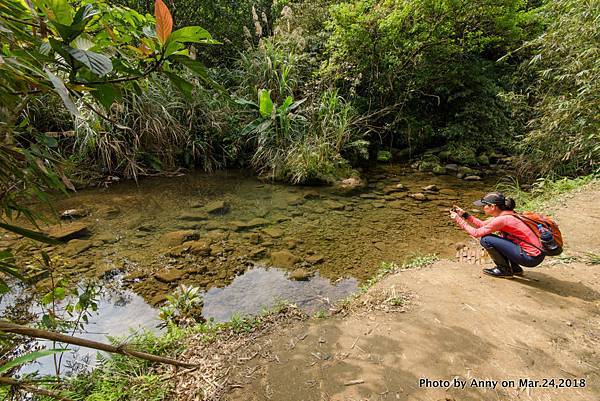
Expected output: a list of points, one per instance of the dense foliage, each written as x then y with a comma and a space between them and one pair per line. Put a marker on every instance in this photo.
564, 96
315, 86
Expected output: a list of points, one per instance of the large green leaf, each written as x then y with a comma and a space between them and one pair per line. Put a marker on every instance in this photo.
192, 34
62, 91
30, 357
265, 103
57, 10
34, 235
184, 86
97, 63
106, 95
201, 72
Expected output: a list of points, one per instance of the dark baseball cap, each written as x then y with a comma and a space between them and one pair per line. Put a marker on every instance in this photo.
493, 198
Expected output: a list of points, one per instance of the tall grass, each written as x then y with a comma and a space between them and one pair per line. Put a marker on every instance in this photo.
542, 191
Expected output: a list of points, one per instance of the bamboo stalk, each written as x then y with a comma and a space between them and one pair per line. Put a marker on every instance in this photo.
63, 338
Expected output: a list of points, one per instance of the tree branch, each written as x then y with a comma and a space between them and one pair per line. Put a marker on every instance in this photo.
63, 338
27, 387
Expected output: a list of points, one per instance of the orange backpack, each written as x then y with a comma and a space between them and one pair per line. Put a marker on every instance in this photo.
532, 220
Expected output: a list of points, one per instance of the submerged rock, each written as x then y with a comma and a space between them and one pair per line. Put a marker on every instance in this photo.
68, 231
200, 248
178, 237
419, 197
72, 214
350, 185
284, 259
300, 274
169, 276
315, 259
77, 246
216, 207
333, 205
246, 225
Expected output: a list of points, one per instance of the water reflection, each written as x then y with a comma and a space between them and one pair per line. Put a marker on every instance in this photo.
261, 287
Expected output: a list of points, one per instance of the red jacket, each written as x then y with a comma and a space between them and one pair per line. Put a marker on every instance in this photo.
518, 232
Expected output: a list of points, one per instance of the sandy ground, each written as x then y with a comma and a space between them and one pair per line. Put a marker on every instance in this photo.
530, 338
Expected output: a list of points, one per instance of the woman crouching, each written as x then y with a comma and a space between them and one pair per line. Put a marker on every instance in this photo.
516, 246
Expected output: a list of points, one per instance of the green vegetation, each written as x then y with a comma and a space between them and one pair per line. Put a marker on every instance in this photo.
387, 268
543, 190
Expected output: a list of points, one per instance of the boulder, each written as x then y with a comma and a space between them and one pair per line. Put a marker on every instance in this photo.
175, 238
216, 207
284, 259
300, 275
67, 232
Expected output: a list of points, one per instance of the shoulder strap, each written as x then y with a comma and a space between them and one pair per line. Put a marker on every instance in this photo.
520, 218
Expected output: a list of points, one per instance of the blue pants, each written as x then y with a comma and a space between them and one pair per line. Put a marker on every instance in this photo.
508, 253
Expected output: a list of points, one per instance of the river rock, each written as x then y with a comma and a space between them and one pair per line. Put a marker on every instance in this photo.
368, 196
430, 188
257, 252
158, 299
300, 274
178, 237
394, 188
71, 214
312, 194
448, 192
451, 167
472, 178
200, 248
333, 205
378, 205
466, 171
169, 276
178, 251
67, 232
246, 225
200, 216
349, 185
315, 259
273, 232
216, 207
77, 246
294, 200
278, 218
135, 276
284, 259
419, 197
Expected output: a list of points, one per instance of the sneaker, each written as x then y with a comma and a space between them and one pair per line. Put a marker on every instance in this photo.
517, 270
497, 272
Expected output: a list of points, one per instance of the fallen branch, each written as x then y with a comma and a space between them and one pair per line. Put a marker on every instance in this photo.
63, 338
32, 389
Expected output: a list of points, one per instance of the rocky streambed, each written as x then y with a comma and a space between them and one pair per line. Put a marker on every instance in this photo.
205, 230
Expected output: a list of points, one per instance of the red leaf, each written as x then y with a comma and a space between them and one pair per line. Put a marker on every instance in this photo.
164, 21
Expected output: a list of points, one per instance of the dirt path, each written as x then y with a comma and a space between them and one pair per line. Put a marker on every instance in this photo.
458, 324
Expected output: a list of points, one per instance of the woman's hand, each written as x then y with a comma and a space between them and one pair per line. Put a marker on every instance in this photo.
453, 214
456, 209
